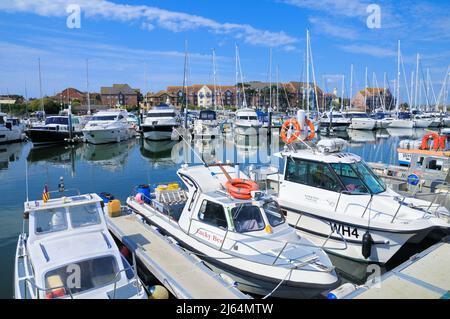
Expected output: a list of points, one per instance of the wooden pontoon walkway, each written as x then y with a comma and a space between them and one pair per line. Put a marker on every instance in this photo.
423, 276
184, 275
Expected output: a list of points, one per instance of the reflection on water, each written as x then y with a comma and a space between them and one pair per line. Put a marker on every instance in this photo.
117, 168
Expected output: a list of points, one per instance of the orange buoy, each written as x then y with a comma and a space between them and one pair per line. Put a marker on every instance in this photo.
286, 127
312, 130
241, 188
426, 138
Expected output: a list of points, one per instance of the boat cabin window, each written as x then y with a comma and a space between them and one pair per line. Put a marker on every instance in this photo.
84, 215
247, 118
50, 220
205, 115
2, 121
171, 114
247, 218
273, 213
312, 174
212, 214
104, 118
57, 120
93, 273
120, 117
358, 178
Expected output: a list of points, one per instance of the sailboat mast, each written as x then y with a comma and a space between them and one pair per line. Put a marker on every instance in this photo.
384, 92
342, 92
397, 102
186, 97
236, 76
365, 91
278, 81
214, 79
244, 100
416, 91
270, 79
307, 72
351, 84
40, 85
87, 88
428, 88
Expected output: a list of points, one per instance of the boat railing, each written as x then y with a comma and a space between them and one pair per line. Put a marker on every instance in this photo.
45, 290
135, 282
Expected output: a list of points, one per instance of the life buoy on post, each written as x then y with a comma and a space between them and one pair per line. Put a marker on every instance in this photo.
241, 188
426, 138
286, 127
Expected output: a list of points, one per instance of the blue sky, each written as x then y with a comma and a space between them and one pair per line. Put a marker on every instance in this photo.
129, 41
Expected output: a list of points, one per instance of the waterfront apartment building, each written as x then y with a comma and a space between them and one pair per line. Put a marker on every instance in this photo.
371, 99
119, 94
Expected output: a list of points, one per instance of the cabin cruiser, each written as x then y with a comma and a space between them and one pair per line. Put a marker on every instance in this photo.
360, 121
69, 253
246, 122
248, 239
206, 126
422, 121
335, 199
109, 126
56, 129
335, 121
402, 120
160, 122
11, 129
382, 120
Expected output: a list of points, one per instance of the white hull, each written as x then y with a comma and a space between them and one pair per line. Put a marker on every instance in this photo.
247, 130
158, 135
10, 136
114, 135
362, 124
401, 124
422, 123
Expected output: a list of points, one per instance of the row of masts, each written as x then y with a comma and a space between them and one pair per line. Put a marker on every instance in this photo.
413, 90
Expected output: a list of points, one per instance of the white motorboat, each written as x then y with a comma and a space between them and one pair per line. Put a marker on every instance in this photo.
335, 121
11, 129
109, 126
206, 126
246, 122
247, 239
421, 121
69, 253
401, 123
334, 199
160, 122
360, 121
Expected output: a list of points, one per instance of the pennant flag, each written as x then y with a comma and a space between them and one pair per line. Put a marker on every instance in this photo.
45, 194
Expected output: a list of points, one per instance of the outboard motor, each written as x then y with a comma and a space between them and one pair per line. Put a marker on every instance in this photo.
367, 243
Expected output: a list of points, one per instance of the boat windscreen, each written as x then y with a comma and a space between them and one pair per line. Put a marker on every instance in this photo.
247, 218
104, 118
358, 178
273, 213
57, 120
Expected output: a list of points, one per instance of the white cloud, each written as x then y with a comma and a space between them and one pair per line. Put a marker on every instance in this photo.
379, 52
165, 19
348, 8
333, 29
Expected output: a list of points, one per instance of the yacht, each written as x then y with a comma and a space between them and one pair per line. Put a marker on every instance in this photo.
56, 129
206, 126
68, 253
11, 129
248, 239
335, 121
335, 199
422, 121
160, 122
360, 121
246, 122
109, 126
402, 120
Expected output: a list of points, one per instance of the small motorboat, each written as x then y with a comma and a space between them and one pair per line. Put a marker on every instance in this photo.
11, 129
68, 252
109, 126
238, 231
246, 122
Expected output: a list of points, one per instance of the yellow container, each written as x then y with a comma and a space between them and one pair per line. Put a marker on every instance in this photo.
162, 187
173, 186
114, 208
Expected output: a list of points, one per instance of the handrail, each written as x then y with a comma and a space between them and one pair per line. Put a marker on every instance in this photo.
117, 279
27, 280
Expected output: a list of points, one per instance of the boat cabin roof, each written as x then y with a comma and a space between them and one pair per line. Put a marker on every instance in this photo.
315, 155
52, 252
246, 111
111, 112
37, 205
208, 179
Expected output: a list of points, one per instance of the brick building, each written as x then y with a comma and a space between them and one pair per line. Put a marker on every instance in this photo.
119, 94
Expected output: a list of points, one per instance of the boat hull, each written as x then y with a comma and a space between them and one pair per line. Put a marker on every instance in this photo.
41, 137
157, 132
113, 135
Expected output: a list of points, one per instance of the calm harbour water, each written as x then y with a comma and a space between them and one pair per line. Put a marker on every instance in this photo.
118, 168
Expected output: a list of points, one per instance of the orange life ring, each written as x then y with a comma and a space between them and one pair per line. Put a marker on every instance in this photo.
241, 188
312, 130
442, 142
426, 138
286, 126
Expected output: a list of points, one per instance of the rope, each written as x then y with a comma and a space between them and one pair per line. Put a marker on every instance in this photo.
278, 286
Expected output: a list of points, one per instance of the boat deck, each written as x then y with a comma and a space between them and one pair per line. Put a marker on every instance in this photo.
423, 276
183, 274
